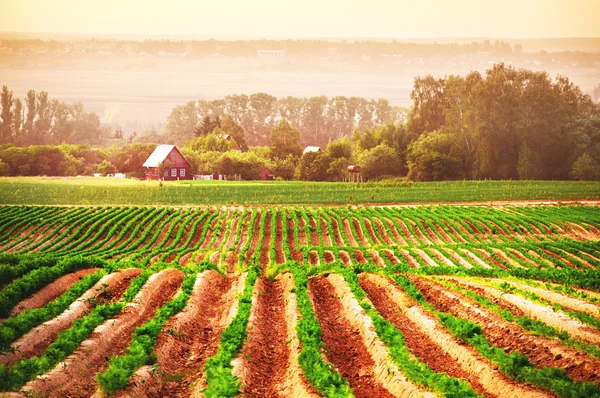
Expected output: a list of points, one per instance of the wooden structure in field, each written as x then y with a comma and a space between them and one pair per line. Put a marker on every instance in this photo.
354, 174
167, 163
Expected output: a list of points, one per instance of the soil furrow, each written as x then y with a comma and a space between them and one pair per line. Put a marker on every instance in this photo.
76, 376
189, 339
352, 345
51, 291
262, 363
108, 289
427, 339
541, 351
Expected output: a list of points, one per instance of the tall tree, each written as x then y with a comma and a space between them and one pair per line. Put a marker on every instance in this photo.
28, 127
6, 115
285, 140
43, 120
428, 105
17, 120
182, 122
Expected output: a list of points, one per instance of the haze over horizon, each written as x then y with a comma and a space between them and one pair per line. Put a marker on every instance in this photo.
427, 19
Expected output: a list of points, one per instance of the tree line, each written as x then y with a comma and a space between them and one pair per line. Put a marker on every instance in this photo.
505, 124
40, 121
319, 119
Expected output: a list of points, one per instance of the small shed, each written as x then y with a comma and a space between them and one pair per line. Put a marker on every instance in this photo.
354, 173
266, 174
178, 166
309, 149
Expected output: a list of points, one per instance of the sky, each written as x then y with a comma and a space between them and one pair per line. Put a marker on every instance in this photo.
306, 18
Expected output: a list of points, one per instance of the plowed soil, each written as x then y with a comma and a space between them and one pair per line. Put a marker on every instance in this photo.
188, 340
264, 357
75, 377
511, 337
344, 345
108, 289
51, 291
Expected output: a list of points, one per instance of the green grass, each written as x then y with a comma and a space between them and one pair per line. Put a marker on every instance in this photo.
56, 191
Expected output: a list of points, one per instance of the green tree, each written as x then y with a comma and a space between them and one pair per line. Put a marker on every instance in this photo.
430, 158
182, 123
285, 140
17, 119
106, 167
236, 131
379, 162
6, 115
28, 128
585, 169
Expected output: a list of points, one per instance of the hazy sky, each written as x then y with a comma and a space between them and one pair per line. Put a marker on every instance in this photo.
307, 18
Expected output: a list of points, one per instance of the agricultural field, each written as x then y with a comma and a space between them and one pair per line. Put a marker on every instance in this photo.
108, 191
300, 301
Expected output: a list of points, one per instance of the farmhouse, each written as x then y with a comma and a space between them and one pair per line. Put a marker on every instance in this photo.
174, 165
312, 149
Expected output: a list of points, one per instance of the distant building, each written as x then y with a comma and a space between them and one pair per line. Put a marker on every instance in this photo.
270, 53
312, 149
266, 174
178, 167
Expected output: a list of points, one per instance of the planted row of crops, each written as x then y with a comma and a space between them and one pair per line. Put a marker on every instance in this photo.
300, 301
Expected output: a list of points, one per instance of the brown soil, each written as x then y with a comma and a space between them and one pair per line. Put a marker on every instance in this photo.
344, 345
458, 259
406, 232
425, 258
359, 232
410, 259
419, 343
431, 234
391, 256
444, 234
371, 231
211, 230
187, 230
108, 289
76, 375
51, 291
563, 259
197, 233
161, 236
236, 219
377, 258
254, 239
401, 241
360, 257
511, 337
345, 258
326, 235
488, 258
185, 259
314, 236
329, 257
313, 258
419, 233
336, 233
348, 233
279, 254
264, 259
229, 219
441, 259
188, 339
291, 242
302, 231
476, 259
383, 232
264, 357
541, 312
